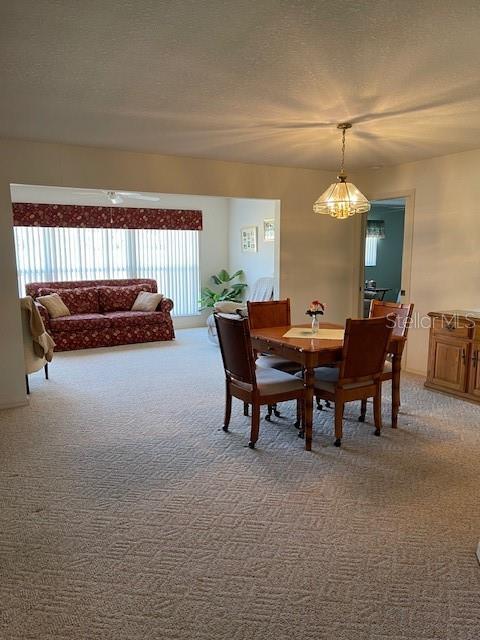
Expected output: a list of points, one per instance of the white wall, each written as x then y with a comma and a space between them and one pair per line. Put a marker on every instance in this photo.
445, 271
315, 251
247, 213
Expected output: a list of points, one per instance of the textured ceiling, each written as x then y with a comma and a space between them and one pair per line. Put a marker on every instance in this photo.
254, 81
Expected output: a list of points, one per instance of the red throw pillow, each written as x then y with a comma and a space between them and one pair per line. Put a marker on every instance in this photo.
120, 298
78, 300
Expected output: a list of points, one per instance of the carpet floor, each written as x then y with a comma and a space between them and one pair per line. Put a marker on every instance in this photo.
128, 514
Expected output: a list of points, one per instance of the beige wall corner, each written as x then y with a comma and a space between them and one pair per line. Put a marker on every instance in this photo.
12, 380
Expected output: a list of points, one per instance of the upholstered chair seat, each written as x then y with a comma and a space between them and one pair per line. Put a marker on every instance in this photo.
326, 378
276, 362
271, 381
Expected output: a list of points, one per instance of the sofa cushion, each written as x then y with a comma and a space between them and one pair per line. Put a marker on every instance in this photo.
120, 298
78, 300
80, 322
119, 319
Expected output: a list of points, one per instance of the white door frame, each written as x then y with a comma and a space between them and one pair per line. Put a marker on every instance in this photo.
359, 249
409, 195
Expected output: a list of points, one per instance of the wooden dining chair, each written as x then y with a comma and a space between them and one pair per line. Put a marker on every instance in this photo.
358, 375
272, 313
403, 313
244, 380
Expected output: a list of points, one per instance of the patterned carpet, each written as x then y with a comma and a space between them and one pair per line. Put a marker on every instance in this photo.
127, 514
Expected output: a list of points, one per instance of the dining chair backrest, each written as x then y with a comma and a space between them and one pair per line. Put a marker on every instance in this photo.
273, 313
403, 312
236, 347
365, 347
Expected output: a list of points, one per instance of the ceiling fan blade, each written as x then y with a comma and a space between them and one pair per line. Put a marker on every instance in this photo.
138, 196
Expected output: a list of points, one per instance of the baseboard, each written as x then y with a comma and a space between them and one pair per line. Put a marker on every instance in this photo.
415, 372
13, 405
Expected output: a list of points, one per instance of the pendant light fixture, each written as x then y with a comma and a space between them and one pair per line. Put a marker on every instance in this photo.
342, 199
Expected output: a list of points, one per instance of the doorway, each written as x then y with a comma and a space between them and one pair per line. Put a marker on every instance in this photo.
383, 254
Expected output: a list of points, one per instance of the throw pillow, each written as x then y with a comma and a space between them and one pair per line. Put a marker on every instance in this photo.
147, 301
54, 305
120, 298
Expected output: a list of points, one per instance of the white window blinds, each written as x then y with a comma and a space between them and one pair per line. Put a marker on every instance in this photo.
171, 257
371, 251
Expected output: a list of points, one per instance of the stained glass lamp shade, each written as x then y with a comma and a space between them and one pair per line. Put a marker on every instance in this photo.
342, 199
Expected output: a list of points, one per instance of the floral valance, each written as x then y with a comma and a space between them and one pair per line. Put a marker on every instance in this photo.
27, 214
375, 228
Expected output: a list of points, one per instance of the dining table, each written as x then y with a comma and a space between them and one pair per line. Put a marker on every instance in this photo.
311, 352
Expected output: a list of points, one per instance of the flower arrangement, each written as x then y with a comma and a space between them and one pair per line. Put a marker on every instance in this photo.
315, 309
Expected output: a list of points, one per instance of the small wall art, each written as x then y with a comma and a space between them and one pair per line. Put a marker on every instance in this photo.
249, 239
269, 230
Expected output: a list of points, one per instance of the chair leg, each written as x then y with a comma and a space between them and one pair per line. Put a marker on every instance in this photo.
276, 411
46, 370
27, 385
319, 404
338, 423
299, 415
245, 408
300, 412
228, 407
377, 410
398, 395
255, 425
268, 417
363, 411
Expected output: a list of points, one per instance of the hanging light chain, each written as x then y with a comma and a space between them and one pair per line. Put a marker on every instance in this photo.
343, 126
342, 168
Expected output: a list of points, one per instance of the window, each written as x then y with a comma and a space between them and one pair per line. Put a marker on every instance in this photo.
170, 257
371, 251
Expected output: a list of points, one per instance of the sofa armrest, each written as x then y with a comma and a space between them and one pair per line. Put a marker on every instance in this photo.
165, 305
44, 315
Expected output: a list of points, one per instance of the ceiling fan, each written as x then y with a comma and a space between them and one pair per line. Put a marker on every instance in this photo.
115, 197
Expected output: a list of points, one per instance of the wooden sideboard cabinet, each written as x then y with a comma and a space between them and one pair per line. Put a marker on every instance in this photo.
454, 351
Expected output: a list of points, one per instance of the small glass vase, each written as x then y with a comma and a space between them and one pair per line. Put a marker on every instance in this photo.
315, 323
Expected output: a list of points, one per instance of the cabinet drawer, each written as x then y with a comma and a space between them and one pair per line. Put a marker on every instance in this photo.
454, 327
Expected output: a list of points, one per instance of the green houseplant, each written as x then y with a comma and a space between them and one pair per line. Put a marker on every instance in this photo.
226, 289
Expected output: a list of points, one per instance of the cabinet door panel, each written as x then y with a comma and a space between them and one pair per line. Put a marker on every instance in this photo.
448, 363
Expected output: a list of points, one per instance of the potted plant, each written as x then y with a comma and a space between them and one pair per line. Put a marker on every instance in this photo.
226, 289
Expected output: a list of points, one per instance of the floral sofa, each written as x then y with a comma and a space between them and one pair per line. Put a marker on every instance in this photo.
101, 315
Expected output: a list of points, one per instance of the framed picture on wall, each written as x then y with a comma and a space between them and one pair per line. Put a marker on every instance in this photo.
269, 230
249, 239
